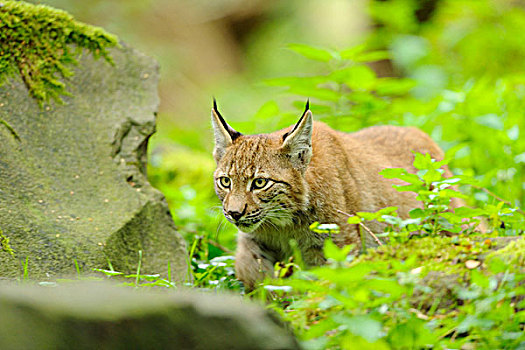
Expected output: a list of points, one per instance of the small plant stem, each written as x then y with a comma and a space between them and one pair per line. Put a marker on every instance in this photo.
190, 258
169, 272
378, 241
434, 307
77, 267
492, 194
297, 254
11, 129
452, 330
138, 269
363, 239
206, 274
110, 265
26, 272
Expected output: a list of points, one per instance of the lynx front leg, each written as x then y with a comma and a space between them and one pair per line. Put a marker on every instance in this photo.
251, 265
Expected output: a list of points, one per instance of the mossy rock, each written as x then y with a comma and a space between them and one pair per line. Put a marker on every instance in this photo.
442, 263
39, 44
73, 186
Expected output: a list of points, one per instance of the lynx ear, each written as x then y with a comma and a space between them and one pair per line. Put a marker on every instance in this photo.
224, 134
297, 143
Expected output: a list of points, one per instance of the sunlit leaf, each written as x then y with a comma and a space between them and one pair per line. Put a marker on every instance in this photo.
332, 251
362, 325
311, 52
492, 121
372, 56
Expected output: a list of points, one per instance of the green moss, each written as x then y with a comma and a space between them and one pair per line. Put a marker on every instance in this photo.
436, 253
4, 244
512, 254
38, 43
444, 264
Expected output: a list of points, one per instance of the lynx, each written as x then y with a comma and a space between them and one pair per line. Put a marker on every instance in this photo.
273, 186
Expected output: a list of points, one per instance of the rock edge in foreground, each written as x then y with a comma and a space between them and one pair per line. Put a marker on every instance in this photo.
103, 316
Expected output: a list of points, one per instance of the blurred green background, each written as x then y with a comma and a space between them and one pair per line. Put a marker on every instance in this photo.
454, 68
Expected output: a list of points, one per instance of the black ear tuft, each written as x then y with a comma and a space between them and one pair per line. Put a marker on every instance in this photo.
306, 109
217, 110
233, 133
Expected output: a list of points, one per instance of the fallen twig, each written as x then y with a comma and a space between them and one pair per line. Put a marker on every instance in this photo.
378, 241
220, 246
490, 193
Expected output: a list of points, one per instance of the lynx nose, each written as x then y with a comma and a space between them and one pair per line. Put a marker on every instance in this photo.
236, 214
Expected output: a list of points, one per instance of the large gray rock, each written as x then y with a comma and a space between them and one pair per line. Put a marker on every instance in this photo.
74, 186
99, 316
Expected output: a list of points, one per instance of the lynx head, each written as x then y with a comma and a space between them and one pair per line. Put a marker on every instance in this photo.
260, 179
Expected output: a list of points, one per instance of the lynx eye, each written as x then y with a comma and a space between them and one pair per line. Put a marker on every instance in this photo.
259, 183
225, 181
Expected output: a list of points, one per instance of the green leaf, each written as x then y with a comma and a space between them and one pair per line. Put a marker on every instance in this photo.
352, 52
492, 121
451, 218
412, 334
422, 161
392, 173
387, 286
372, 56
409, 188
319, 329
332, 251
109, 272
392, 220
450, 193
479, 279
417, 213
144, 277
344, 277
324, 228
313, 53
360, 78
497, 265
391, 86
387, 211
399, 173
362, 325
368, 216
431, 175
354, 220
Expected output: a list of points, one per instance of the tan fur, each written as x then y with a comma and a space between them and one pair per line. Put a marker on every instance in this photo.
341, 175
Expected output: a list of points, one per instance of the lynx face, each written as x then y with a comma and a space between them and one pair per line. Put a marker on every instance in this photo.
260, 178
